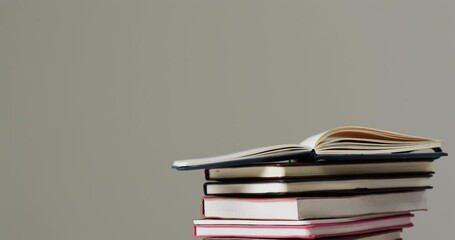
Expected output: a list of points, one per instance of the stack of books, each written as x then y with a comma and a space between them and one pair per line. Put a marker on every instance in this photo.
345, 183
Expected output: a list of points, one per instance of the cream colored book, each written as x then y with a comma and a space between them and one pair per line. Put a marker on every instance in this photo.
338, 143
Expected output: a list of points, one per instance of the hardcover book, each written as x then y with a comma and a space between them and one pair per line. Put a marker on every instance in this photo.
300, 208
319, 169
386, 235
341, 143
298, 229
320, 186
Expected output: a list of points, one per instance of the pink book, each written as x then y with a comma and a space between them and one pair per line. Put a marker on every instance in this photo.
309, 229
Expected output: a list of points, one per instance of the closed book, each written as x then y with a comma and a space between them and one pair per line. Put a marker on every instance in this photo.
298, 229
318, 169
384, 235
325, 186
300, 208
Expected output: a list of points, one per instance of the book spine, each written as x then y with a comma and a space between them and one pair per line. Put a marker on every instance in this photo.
207, 174
202, 206
205, 188
194, 231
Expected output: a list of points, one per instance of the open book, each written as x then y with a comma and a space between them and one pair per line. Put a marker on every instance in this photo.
349, 142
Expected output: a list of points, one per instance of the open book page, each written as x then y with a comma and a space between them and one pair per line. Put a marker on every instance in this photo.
239, 155
361, 140
312, 141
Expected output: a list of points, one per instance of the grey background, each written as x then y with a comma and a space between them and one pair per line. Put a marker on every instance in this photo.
99, 97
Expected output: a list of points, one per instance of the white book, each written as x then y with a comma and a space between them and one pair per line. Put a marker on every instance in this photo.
300, 208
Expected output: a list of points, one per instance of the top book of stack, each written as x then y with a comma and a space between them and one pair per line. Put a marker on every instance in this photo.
342, 143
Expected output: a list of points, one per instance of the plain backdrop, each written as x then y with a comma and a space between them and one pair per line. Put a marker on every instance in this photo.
99, 97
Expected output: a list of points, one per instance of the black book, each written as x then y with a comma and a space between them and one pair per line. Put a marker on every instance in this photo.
318, 169
321, 186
